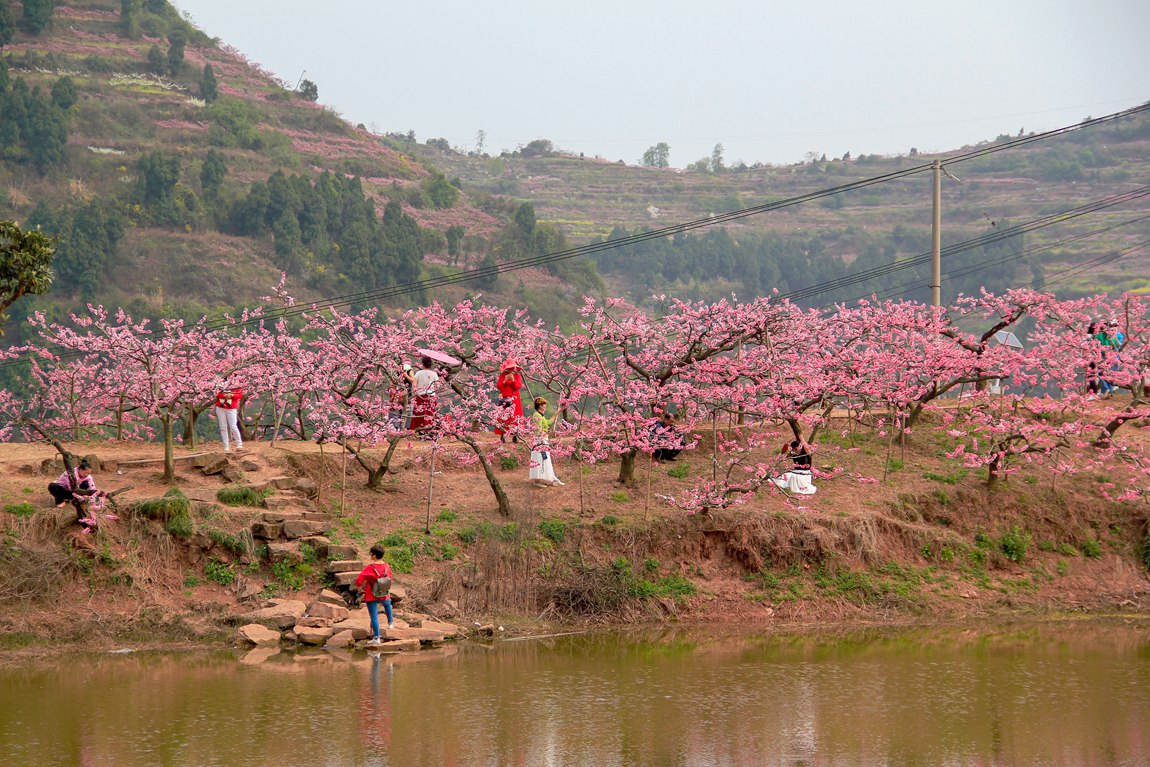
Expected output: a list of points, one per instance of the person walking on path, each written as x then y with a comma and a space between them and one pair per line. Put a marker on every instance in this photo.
227, 414
376, 571
542, 473
510, 383
424, 404
79, 488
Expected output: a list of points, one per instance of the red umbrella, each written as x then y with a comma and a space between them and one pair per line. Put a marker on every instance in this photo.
446, 359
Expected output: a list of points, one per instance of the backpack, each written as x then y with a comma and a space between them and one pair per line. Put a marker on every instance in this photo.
381, 587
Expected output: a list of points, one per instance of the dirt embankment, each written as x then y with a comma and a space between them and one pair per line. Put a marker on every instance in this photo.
921, 545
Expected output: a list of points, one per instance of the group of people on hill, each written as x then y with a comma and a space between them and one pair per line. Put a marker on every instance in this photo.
414, 406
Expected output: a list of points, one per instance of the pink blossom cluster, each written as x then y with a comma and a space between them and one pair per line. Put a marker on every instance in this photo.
176, 124
752, 375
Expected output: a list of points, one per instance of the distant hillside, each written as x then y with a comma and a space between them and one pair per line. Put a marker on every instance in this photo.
183, 179
802, 245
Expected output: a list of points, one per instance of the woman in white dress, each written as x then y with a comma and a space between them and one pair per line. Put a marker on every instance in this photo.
542, 472
798, 479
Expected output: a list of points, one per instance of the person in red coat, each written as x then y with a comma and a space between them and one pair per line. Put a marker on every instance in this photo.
375, 570
510, 383
227, 414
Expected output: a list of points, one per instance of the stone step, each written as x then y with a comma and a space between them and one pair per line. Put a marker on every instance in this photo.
345, 579
284, 552
301, 528
280, 516
325, 549
267, 531
345, 566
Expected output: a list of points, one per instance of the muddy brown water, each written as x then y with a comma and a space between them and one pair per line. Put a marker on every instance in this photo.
1050, 694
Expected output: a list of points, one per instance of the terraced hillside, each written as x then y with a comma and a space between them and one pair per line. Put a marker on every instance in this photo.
176, 192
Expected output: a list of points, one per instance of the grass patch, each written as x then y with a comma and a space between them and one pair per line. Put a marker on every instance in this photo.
292, 576
682, 471
1014, 544
1143, 552
219, 572
619, 496
1092, 548
242, 496
447, 515
952, 478
173, 509
553, 529
509, 462
24, 509
610, 521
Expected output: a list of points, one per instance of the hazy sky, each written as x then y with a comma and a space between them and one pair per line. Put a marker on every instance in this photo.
770, 81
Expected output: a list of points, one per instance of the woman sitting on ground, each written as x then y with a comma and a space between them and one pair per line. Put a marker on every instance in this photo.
542, 473
798, 479
664, 434
78, 487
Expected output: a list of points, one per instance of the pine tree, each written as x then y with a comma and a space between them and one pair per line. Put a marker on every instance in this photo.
209, 88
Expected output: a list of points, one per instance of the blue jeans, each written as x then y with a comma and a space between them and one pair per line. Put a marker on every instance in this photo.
373, 611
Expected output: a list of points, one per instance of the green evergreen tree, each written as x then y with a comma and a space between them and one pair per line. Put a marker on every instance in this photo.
45, 133
130, 18
440, 191
64, 93
212, 174
37, 14
177, 40
157, 176
157, 62
454, 235
7, 23
25, 265
209, 88
288, 242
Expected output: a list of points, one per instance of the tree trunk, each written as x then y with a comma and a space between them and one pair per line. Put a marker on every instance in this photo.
627, 467
169, 450
190, 427
376, 474
500, 496
993, 467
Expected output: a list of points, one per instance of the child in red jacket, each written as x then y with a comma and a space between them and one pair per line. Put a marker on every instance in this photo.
376, 570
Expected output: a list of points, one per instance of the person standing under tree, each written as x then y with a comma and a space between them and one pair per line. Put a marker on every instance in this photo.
542, 473
376, 570
227, 414
424, 404
510, 383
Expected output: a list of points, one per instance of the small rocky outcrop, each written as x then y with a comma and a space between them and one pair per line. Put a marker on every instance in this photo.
257, 634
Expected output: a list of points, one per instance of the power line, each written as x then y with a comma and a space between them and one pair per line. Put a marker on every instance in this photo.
907, 287
381, 294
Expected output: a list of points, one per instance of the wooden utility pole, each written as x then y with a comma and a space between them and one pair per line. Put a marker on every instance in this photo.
936, 239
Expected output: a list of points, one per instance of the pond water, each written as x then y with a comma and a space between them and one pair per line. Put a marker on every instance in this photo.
1075, 695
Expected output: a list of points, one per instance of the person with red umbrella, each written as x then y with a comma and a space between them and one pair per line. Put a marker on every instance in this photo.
425, 404
510, 383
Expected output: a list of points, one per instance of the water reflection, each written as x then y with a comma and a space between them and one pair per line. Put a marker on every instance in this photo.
1041, 695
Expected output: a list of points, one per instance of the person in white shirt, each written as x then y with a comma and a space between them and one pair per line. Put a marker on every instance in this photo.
425, 404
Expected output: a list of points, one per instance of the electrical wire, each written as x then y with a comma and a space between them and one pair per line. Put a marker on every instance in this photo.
391, 292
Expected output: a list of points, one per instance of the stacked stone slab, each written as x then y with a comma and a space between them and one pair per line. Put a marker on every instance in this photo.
292, 521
